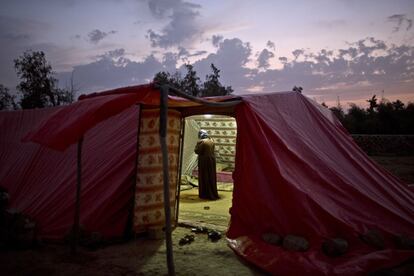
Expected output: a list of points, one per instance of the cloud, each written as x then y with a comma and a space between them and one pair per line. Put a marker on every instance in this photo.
263, 59
231, 57
182, 25
271, 45
297, 53
116, 53
96, 35
368, 45
14, 30
182, 52
197, 53
169, 61
216, 39
400, 20
361, 68
112, 70
16, 36
366, 65
283, 60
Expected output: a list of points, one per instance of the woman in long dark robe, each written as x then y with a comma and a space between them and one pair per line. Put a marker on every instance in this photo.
207, 180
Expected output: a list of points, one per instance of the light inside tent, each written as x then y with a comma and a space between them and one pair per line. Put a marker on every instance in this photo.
223, 131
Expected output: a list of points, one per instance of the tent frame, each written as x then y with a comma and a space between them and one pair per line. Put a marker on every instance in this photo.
165, 90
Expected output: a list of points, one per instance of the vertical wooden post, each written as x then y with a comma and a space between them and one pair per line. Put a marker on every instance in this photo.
180, 165
164, 149
75, 229
129, 230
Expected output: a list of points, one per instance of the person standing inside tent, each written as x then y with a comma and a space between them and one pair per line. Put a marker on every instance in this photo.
207, 181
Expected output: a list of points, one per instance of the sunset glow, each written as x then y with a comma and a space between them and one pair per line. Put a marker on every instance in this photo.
334, 49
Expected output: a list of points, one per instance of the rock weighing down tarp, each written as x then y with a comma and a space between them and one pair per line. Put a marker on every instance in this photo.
297, 172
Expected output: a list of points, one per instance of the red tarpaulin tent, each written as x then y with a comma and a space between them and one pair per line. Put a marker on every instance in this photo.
297, 171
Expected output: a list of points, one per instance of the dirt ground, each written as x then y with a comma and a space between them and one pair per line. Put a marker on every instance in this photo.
144, 256
139, 257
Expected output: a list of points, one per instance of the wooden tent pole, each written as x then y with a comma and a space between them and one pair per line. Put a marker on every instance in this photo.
75, 229
130, 224
180, 165
167, 207
164, 90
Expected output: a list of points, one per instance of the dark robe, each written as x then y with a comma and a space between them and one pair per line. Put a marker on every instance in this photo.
207, 181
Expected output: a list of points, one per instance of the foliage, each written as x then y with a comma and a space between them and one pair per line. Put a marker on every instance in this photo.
190, 84
7, 100
212, 85
190, 81
37, 86
384, 117
298, 89
166, 78
372, 103
338, 111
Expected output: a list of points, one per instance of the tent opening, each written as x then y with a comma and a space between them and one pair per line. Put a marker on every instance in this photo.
195, 211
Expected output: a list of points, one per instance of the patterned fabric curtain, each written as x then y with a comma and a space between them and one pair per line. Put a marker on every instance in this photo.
223, 130
149, 201
190, 140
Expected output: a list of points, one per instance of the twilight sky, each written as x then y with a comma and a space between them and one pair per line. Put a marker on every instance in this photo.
349, 49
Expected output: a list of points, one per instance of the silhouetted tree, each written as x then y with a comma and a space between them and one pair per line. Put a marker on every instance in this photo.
407, 119
339, 112
297, 89
166, 78
212, 85
162, 77
38, 86
355, 119
384, 117
372, 103
387, 118
398, 105
190, 84
7, 100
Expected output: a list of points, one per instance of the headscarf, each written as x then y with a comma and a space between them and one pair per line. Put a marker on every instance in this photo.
202, 134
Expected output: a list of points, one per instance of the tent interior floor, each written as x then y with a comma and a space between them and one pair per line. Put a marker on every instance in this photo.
213, 214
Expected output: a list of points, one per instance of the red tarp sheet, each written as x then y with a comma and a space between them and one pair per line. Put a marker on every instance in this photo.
64, 127
307, 177
297, 172
42, 181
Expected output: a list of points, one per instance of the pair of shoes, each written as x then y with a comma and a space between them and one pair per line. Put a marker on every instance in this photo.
214, 235
199, 230
186, 240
